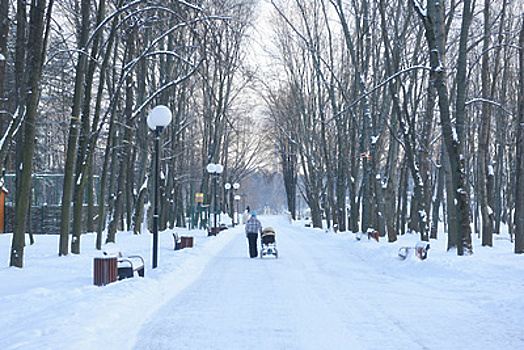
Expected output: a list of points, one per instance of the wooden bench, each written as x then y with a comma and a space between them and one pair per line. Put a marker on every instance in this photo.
177, 241
213, 231
373, 234
124, 267
182, 242
129, 265
370, 234
420, 250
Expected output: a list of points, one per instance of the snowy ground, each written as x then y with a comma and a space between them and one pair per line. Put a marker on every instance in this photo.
326, 291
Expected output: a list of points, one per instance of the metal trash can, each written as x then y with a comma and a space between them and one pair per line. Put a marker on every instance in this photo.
105, 270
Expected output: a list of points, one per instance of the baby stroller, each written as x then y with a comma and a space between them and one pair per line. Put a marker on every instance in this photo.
269, 245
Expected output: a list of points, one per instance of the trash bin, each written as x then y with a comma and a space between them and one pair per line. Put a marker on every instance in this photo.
105, 270
213, 231
186, 242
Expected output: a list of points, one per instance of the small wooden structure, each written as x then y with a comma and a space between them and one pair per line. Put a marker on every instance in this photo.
186, 242
105, 270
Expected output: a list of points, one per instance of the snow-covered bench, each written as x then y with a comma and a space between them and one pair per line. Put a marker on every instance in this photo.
213, 231
127, 265
182, 242
420, 250
373, 234
370, 234
177, 241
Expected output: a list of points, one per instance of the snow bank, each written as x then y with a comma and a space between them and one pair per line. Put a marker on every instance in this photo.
52, 303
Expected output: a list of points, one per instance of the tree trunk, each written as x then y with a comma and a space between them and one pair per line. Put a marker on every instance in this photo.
484, 136
501, 124
138, 217
403, 200
74, 132
452, 137
451, 213
180, 216
113, 162
365, 139
437, 201
34, 72
519, 191
4, 32
90, 224
104, 183
460, 184
124, 152
110, 138
289, 165
142, 142
354, 207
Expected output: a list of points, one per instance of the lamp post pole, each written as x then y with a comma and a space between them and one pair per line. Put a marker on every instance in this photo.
236, 186
155, 211
227, 205
215, 170
157, 120
216, 201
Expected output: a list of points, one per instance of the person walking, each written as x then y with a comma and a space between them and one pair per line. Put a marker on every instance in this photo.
253, 228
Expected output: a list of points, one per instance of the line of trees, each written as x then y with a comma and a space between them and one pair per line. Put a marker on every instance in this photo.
77, 81
385, 115
406, 110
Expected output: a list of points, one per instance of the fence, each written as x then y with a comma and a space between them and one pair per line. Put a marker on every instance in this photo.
45, 203
44, 219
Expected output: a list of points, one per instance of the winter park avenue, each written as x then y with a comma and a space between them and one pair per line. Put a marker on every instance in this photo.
325, 291
262, 174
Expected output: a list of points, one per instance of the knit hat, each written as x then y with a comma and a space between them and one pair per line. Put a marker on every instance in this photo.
253, 213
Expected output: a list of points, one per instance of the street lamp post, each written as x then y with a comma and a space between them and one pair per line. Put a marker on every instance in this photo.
215, 170
157, 120
228, 208
236, 186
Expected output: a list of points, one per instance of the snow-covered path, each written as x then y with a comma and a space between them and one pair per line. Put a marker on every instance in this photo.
326, 291
321, 295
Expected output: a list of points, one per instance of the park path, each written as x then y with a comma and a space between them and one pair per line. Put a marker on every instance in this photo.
318, 295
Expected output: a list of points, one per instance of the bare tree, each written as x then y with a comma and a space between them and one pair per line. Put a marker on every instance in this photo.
36, 48
74, 129
484, 136
453, 137
519, 193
